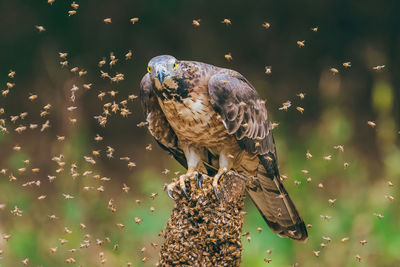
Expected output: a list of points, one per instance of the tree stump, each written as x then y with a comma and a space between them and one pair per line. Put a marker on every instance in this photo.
204, 230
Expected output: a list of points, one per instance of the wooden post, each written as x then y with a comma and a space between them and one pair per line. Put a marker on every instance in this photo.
204, 230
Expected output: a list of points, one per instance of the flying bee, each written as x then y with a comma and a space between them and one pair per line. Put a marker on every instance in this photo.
334, 70
344, 239
45, 125
44, 113
74, 69
301, 95
331, 201
328, 158
101, 95
42, 197
32, 97
154, 195
87, 86
11, 74
67, 196
378, 67
268, 70
62, 55
389, 183
196, 22
363, 242
74, 5
126, 188
5, 92
227, 22
134, 20
53, 250
128, 55
315, 29
358, 258
371, 123
102, 62
71, 12
339, 147
10, 85
301, 43
104, 74
23, 115
107, 20
82, 73
16, 211
64, 63
228, 56
96, 153
347, 64
326, 217
286, 105
6, 237
390, 198
266, 25
40, 28
378, 215
124, 103
13, 119
138, 220
131, 164
300, 109
316, 253
274, 125
149, 147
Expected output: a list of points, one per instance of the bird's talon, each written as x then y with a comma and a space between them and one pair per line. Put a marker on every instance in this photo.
216, 192
170, 187
182, 184
199, 180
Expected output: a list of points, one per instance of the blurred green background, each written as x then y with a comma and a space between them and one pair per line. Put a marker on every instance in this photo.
336, 110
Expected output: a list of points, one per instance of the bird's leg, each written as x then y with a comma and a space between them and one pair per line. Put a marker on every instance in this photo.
224, 166
193, 159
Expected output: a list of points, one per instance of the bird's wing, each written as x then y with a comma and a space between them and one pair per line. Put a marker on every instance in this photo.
245, 117
158, 125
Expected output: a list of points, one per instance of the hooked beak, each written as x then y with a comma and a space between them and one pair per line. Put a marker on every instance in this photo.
161, 76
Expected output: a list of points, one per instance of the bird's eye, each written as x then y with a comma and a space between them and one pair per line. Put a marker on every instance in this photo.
148, 69
175, 66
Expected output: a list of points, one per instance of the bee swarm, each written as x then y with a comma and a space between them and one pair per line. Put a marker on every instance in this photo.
204, 230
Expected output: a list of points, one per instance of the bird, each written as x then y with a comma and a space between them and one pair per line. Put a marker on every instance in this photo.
213, 120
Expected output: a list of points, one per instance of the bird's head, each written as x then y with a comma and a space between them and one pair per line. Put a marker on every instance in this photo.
163, 69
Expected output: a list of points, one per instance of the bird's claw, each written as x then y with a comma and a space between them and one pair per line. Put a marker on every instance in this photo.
199, 180
182, 184
216, 178
215, 186
170, 187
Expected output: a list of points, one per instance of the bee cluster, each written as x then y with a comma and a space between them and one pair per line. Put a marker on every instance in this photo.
205, 230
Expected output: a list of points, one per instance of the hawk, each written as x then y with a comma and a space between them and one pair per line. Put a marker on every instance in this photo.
212, 120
